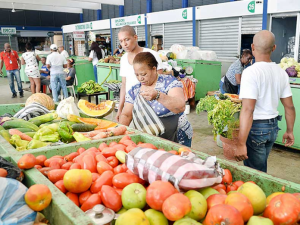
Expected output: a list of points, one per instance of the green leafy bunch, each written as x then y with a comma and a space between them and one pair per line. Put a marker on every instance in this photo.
90, 87
206, 104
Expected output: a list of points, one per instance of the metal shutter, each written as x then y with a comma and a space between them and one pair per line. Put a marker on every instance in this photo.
13, 41
141, 33
251, 24
157, 29
103, 31
178, 33
221, 36
116, 39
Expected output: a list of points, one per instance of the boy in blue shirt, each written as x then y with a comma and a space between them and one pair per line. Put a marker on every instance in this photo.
45, 73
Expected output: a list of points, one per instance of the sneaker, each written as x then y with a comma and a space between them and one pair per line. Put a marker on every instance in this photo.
21, 95
14, 95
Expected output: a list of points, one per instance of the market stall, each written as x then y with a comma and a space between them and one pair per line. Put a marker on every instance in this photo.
84, 69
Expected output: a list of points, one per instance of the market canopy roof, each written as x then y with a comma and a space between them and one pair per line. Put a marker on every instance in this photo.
71, 6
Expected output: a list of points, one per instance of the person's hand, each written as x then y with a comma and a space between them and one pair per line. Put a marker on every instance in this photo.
149, 94
1, 72
241, 152
20, 67
288, 139
118, 116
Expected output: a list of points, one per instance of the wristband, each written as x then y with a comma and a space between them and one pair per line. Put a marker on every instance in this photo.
158, 95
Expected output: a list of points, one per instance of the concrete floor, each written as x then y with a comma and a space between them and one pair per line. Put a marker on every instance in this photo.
282, 163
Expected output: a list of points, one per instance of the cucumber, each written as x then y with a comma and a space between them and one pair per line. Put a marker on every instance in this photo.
30, 134
77, 127
1, 128
44, 118
5, 134
19, 124
24, 130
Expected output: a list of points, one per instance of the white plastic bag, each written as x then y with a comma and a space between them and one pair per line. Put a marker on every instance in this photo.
177, 48
208, 55
67, 106
13, 208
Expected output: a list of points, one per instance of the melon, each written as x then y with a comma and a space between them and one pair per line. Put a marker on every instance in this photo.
101, 124
101, 110
42, 99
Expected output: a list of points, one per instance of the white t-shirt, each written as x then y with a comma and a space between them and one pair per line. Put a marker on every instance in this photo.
93, 56
126, 70
267, 83
65, 54
56, 62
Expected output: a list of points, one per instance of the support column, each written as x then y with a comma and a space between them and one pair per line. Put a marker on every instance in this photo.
121, 10
265, 15
149, 6
146, 30
112, 38
81, 17
99, 14
194, 26
185, 3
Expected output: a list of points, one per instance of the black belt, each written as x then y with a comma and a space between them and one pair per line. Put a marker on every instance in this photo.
278, 118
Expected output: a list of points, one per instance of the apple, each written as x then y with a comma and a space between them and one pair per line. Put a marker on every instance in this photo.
199, 205
206, 192
134, 196
255, 220
156, 217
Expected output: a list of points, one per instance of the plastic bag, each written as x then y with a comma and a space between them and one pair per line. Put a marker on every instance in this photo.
13, 208
186, 172
177, 49
67, 106
12, 171
208, 55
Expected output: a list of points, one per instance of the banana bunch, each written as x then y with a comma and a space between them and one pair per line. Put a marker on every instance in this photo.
90, 87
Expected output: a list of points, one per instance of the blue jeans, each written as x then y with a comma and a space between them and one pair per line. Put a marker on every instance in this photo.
259, 144
95, 73
10, 75
54, 79
221, 87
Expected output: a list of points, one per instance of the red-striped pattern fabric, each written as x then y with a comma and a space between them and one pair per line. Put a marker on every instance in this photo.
185, 173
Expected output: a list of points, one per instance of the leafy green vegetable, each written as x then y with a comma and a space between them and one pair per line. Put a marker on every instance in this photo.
90, 87
206, 104
223, 97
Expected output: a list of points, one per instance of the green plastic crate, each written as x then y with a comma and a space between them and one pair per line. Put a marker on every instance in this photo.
11, 108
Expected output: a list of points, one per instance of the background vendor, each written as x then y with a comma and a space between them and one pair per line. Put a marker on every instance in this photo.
230, 83
164, 93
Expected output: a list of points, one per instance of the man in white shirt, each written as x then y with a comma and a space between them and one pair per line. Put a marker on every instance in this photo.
63, 52
129, 41
263, 85
56, 63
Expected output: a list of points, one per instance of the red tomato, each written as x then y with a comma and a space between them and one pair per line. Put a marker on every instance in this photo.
283, 209
75, 166
53, 159
93, 200
45, 170
40, 160
238, 183
221, 191
129, 142
119, 147
120, 169
80, 150
70, 157
67, 166
103, 166
60, 185
73, 197
38, 197
173, 152
104, 179
216, 199
119, 191
176, 206
54, 165
113, 161
102, 146
56, 175
223, 214
89, 163
227, 179
36, 166
297, 195
100, 157
218, 186
84, 196
147, 145
231, 187
109, 151
121, 180
123, 139
110, 198
27, 161
112, 144
95, 176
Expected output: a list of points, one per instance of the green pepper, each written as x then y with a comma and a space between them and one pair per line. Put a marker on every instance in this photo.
22, 148
50, 137
65, 131
36, 144
79, 137
45, 131
18, 142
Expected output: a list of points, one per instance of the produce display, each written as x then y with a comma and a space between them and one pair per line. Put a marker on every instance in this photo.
291, 66
99, 175
101, 110
90, 87
110, 59
41, 98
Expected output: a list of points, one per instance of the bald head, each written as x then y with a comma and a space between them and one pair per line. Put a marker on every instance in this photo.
7, 47
264, 42
130, 30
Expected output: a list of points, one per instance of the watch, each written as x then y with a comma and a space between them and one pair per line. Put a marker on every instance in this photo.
158, 95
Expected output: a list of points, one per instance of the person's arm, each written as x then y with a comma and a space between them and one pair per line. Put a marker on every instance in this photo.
160, 71
48, 66
91, 56
38, 58
1, 66
23, 61
122, 98
126, 115
246, 120
71, 74
238, 78
115, 51
290, 115
173, 101
19, 62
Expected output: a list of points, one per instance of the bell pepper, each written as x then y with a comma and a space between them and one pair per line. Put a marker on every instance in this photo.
50, 137
36, 144
79, 137
65, 131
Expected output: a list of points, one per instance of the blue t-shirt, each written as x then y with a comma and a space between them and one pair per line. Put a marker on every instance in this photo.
44, 67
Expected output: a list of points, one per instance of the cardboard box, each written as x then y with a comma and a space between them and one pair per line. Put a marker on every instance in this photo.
157, 41
157, 47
